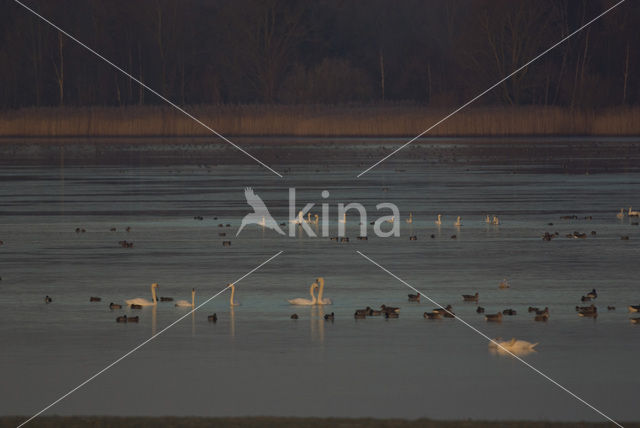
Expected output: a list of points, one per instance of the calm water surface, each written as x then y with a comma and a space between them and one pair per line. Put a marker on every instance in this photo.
257, 361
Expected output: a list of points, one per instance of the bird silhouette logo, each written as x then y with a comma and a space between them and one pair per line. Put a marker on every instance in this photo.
260, 214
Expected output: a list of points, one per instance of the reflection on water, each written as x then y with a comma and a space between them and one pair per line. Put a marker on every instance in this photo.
343, 368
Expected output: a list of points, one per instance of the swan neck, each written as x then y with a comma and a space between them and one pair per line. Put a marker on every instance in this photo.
153, 294
233, 292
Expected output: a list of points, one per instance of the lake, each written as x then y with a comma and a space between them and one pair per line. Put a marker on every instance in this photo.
256, 360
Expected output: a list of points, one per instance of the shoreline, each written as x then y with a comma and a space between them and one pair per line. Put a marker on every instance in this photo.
284, 422
309, 121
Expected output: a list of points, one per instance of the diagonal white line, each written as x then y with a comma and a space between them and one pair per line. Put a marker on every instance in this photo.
490, 88
171, 103
491, 340
147, 341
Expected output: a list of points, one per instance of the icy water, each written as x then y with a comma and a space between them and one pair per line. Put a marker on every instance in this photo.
256, 360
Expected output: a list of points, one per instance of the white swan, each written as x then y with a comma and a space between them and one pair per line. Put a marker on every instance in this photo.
299, 219
620, 215
233, 292
458, 222
634, 213
496, 220
410, 219
320, 300
439, 220
306, 302
185, 303
391, 220
487, 219
262, 222
144, 302
514, 346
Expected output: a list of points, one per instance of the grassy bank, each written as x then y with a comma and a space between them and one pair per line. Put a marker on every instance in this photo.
254, 120
262, 422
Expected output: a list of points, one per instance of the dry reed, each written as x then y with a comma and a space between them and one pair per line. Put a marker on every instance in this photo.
328, 121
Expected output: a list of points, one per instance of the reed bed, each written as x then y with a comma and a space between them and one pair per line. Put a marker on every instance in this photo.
264, 422
324, 121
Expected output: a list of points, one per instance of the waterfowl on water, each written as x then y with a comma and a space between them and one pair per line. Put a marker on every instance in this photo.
186, 303
443, 310
138, 301
113, 306
226, 243
391, 315
166, 299
635, 320
458, 222
432, 315
542, 315
439, 220
504, 284
214, 318
48, 299
410, 219
487, 219
389, 309
494, 317
136, 306
495, 221
122, 318
509, 312
633, 213
414, 297
470, 297
373, 312
363, 238
359, 316
592, 294
364, 312
620, 215
611, 308
634, 308
94, 299
480, 310
413, 238
533, 309
329, 317
133, 319
294, 317
585, 299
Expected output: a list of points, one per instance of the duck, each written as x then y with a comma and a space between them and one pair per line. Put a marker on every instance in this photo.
611, 308
635, 320
387, 309
94, 299
480, 310
413, 238
592, 294
135, 306
432, 315
363, 238
122, 318
634, 308
545, 311
329, 317
541, 317
633, 213
504, 284
458, 222
509, 311
226, 243
294, 317
373, 312
470, 297
113, 306
533, 309
364, 312
166, 299
133, 319
439, 220
414, 297
212, 318
48, 299
359, 316
391, 315
585, 299
494, 317
444, 310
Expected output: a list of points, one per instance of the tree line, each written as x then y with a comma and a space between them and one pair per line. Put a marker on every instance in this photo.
436, 52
